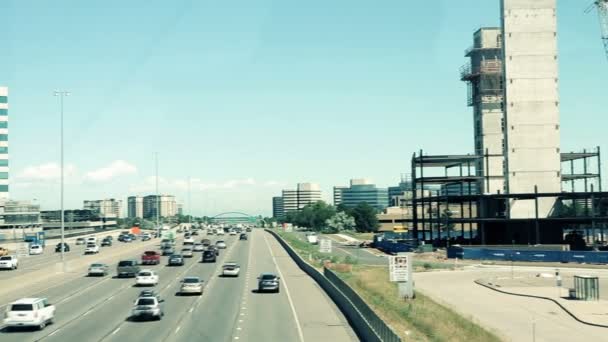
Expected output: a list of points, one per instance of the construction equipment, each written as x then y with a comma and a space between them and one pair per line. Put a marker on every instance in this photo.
602, 11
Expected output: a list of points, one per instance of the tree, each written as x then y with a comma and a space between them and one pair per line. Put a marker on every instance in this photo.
312, 215
365, 218
339, 222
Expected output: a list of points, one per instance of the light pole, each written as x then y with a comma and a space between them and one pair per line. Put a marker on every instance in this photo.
61, 94
189, 205
157, 196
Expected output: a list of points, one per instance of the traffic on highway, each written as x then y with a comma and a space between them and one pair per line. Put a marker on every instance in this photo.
155, 289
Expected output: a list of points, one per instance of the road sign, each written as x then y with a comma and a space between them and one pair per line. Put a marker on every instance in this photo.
22, 250
325, 246
398, 267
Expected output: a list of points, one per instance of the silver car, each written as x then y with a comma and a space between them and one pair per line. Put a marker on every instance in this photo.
198, 247
191, 285
98, 269
187, 253
220, 244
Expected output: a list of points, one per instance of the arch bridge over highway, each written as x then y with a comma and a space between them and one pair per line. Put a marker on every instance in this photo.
234, 217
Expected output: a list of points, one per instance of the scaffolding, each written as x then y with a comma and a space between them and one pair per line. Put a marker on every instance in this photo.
477, 211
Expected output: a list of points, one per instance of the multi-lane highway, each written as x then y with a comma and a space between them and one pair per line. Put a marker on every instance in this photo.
97, 309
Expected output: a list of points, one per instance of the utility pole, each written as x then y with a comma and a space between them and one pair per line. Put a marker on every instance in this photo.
61, 94
189, 203
158, 201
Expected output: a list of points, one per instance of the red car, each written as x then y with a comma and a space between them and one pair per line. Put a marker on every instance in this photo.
150, 258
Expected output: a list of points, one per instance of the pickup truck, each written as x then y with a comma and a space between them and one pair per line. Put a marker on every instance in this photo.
150, 258
3, 251
9, 262
147, 308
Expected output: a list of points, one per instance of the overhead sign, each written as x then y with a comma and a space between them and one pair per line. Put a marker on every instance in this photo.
22, 250
325, 246
399, 267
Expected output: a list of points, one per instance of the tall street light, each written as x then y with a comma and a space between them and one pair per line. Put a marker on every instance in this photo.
158, 201
62, 94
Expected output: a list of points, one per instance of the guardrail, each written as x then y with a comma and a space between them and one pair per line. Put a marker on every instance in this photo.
382, 329
356, 318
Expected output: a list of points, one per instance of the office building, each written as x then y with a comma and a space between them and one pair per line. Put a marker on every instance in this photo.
294, 200
106, 208
135, 207
17, 217
395, 193
180, 209
277, 207
290, 201
4, 168
532, 131
308, 193
363, 191
168, 206
484, 77
77, 219
338, 194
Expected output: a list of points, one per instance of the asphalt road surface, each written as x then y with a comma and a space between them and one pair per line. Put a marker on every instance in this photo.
97, 309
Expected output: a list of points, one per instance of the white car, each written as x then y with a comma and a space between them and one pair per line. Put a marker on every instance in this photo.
9, 262
231, 269
219, 232
36, 249
198, 247
220, 244
146, 278
191, 285
91, 239
29, 312
189, 240
232, 232
91, 248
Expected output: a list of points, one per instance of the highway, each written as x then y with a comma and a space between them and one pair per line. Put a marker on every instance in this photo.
97, 309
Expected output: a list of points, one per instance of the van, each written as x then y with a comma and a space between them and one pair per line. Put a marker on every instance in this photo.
127, 268
29, 312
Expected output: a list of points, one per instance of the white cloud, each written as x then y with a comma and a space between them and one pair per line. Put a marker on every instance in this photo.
272, 183
45, 172
196, 184
115, 169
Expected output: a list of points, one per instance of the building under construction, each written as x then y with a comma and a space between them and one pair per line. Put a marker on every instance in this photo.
517, 186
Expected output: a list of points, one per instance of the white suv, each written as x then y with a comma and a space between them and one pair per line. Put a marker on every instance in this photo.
29, 312
9, 262
91, 248
36, 249
146, 278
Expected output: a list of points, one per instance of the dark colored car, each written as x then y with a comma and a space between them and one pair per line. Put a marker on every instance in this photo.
149, 293
248, 230
66, 247
194, 232
133, 237
106, 242
214, 249
268, 282
127, 268
206, 242
243, 236
176, 260
208, 256
168, 250
109, 237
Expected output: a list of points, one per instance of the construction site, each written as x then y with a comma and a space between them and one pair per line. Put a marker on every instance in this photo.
517, 187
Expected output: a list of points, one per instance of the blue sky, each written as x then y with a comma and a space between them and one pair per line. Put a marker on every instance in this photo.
249, 97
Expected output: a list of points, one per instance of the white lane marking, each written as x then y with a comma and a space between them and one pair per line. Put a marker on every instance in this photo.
236, 337
293, 309
86, 313
54, 332
178, 328
239, 328
115, 331
191, 309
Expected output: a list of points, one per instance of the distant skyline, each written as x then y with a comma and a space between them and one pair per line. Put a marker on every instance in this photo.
251, 97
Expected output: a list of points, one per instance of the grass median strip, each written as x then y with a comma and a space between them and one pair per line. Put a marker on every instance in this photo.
421, 319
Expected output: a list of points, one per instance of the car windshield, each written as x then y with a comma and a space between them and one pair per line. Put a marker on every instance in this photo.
268, 276
145, 274
125, 263
220, 241
191, 280
96, 265
175, 256
5, 258
22, 307
146, 301
150, 253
